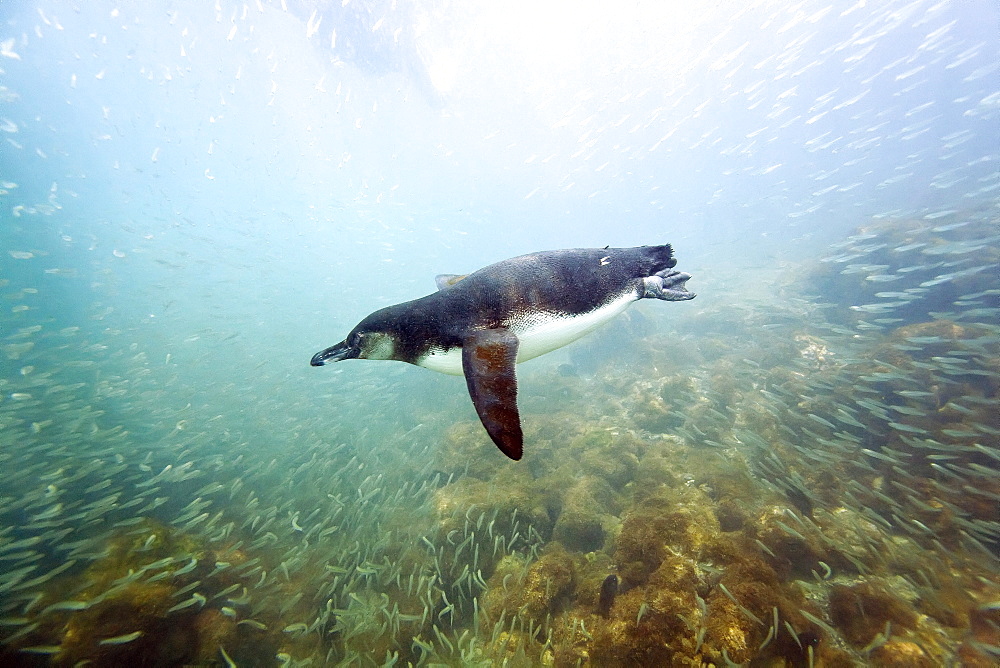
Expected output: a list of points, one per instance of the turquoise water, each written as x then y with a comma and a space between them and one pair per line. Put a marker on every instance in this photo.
799, 467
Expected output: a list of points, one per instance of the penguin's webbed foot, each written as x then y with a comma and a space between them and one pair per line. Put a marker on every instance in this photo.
668, 285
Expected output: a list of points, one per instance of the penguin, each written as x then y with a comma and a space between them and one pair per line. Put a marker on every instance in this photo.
483, 323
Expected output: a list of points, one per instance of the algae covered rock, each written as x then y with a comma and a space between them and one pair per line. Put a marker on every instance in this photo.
659, 525
581, 523
541, 589
862, 610
652, 625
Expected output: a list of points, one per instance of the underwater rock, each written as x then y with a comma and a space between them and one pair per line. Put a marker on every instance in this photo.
212, 630
901, 654
592, 569
580, 526
655, 415
658, 405
847, 534
138, 607
540, 589
658, 470
607, 454
861, 611
680, 521
579, 531
746, 594
461, 452
795, 547
731, 515
511, 491
651, 625
149, 597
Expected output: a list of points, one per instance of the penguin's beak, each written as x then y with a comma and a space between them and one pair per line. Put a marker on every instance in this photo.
336, 353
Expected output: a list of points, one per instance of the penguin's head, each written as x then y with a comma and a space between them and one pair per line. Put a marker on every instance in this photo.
361, 343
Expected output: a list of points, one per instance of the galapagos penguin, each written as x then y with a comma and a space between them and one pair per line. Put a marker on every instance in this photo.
481, 324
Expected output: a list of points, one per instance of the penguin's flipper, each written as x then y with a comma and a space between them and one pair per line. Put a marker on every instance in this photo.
488, 358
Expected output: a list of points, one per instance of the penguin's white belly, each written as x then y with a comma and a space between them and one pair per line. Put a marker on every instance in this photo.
538, 333
544, 332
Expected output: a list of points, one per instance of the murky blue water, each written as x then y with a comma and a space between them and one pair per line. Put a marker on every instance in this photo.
799, 466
